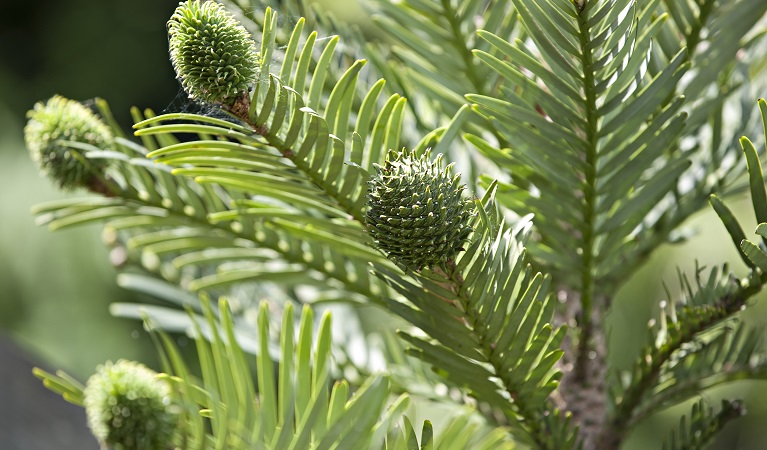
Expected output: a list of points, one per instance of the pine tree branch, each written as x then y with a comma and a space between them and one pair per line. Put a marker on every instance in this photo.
438, 41
587, 267
725, 375
271, 138
703, 425
727, 306
578, 152
489, 324
686, 204
459, 42
530, 415
132, 199
705, 314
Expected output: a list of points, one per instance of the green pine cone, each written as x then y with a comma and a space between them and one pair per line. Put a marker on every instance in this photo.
61, 119
129, 408
214, 56
417, 214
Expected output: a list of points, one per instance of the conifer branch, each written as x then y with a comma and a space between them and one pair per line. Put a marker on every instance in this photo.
692, 321
700, 428
587, 286
490, 323
532, 416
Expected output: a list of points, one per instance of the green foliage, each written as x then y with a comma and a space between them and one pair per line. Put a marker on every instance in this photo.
599, 147
290, 405
697, 343
293, 406
417, 214
488, 322
702, 425
600, 131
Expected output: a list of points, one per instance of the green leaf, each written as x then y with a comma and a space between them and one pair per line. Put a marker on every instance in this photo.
427, 436
755, 255
731, 224
70, 389
756, 180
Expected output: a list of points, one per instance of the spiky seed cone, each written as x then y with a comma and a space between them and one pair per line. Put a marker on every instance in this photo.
61, 119
214, 56
417, 214
129, 408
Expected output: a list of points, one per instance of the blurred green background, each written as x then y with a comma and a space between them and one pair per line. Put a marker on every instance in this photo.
55, 288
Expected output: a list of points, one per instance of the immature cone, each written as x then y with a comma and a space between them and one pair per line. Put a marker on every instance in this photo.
417, 214
129, 408
214, 56
59, 120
